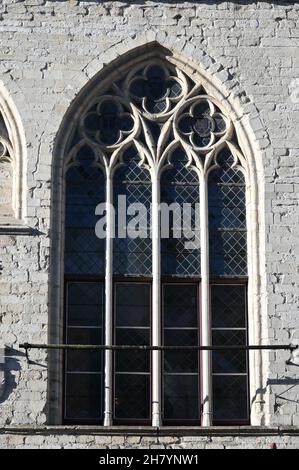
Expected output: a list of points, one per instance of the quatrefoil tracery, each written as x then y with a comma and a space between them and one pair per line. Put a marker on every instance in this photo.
155, 106
155, 90
108, 123
201, 124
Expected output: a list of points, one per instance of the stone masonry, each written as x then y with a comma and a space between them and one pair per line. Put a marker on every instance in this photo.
50, 49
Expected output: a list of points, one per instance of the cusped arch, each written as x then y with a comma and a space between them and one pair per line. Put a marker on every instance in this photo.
217, 87
13, 155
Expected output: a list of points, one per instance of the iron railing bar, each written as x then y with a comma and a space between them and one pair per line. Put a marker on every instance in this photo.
288, 347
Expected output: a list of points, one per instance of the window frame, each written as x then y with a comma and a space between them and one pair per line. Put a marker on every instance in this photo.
197, 283
167, 280
235, 281
202, 180
132, 280
84, 279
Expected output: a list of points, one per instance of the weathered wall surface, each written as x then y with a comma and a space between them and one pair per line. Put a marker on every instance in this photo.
49, 50
55, 439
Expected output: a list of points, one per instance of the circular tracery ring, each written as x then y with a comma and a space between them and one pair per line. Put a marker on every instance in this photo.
201, 124
155, 89
110, 122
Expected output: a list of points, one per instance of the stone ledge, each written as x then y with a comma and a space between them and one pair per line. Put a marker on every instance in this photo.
152, 431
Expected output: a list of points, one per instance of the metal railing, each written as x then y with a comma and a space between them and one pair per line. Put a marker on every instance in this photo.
143, 347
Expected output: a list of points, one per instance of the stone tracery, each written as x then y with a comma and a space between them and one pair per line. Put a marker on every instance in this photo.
155, 107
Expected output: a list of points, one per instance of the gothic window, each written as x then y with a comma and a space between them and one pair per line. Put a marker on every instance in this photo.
6, 175
155, 254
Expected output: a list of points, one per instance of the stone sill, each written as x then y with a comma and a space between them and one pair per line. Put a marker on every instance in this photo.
151, 431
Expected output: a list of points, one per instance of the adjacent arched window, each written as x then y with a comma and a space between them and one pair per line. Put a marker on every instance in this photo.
7, 212
155, 254
12, 160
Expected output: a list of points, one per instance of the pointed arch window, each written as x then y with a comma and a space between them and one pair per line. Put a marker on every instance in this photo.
162, 155
12, 161
7, 212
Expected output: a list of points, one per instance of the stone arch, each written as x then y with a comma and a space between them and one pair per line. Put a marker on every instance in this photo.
12, 159
246, 120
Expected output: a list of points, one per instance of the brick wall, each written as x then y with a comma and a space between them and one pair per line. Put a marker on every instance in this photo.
49, 50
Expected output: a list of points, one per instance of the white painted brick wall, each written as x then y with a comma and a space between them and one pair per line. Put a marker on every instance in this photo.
49, 50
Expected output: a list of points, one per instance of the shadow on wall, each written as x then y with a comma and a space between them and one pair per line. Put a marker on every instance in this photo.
289, 394
9, 365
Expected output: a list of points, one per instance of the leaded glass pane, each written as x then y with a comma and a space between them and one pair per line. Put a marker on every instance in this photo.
181, 361
228, 304
132, 367
230, 367
85, 189
128, 361
180, 191
227, 219
230, 361
85, 304
180, 305
132, 249
181, 367
83, 398
132, 305
84, 325
85, 360
181, 397
132, 397
230, 398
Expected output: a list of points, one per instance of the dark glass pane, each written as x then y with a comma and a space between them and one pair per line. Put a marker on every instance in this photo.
228, 253
231, 360
181, 361
227, 219
228, 303
132, 252
132, 257
133, 304
83, 397
180, 185
230, 400
177, 260
132, 319
180, 311
85, 360
132, 396
85, 189
180, 305
136, 314
84, 318
84, 304
181, 397
84, 252
132, 361
228, 204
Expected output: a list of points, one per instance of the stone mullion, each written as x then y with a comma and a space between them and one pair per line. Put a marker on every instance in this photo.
156, 300
108, 374
206, 357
